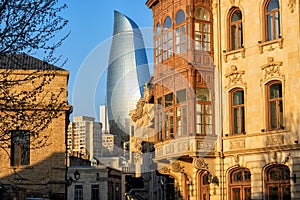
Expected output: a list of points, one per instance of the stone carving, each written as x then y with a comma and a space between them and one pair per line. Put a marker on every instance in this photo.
274, 140
274, 157
236, 159
184, 146
141, 114
205, 145
237, 144
199, 163
235, 76
136, 144
291, 5
164, 170
176, 166
170, 149
271, 69
137, 157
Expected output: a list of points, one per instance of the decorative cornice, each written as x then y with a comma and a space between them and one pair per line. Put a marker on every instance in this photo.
164, 170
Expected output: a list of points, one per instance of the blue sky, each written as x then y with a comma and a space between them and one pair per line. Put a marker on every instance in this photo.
91, 26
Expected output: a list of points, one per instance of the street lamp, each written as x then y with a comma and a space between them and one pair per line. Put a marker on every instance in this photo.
76, 177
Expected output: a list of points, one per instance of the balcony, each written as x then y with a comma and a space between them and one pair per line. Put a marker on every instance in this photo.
189, 146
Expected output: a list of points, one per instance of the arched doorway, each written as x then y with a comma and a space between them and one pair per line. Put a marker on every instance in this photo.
204, 181
277, 182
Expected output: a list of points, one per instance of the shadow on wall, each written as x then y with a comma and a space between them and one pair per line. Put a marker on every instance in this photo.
45, 179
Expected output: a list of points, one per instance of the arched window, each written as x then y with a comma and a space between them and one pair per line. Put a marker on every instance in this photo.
203, 29
240, 184
180, 32
167, 38
158, 44
277, 180
237, 111
204, 118
274, 105
272, 20
236, 29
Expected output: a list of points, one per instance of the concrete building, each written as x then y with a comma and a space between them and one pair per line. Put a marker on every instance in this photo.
85, 137
104, 118
32, 144
226, 83
127, 73
108, 142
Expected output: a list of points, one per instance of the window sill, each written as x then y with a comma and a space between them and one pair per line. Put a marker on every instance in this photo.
234, 54
270, 45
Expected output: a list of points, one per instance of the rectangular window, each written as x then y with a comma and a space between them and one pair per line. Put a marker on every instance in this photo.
78, 192
275, 106
181, 96
20, 148
203, 111
95, 192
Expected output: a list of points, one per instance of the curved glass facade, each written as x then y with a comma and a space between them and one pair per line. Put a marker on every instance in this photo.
128, 70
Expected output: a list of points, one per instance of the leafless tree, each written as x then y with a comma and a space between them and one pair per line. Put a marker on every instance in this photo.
27, 102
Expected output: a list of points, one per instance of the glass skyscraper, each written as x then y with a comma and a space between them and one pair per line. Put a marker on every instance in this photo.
128, 71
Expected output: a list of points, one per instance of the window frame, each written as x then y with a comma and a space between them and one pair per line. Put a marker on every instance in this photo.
20, 145
241, 121
158, 43
180, 34
78, 192
280, 183
275, 33
238, 33
203, 121
202, 31
241, 185
167, 39
279, 123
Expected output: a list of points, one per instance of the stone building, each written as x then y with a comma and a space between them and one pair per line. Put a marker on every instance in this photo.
34, 116
226, 77
94, 181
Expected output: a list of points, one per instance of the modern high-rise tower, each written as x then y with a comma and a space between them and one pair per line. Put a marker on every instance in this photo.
127, 73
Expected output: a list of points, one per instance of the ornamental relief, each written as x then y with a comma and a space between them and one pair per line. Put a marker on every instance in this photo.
164, 170
235, 77
291, 5
274, 140
199, 163
237, 144
176, 167
271, 69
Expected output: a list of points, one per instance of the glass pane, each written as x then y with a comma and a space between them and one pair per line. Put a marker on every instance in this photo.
180, 17
286, 192
247, 193
203, 94
236, 194
277, 24
168, 23
168, 99
275, 174
237, 176
240, 35
181, 96
238, 98
273, 121
237, 15
273, 5
201, 13
235, 120
280, 114
275, 91
270, 27
233, 37
198, 108
273, 192
208, 129
242, 120
247, 175
158, 29
208, 109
